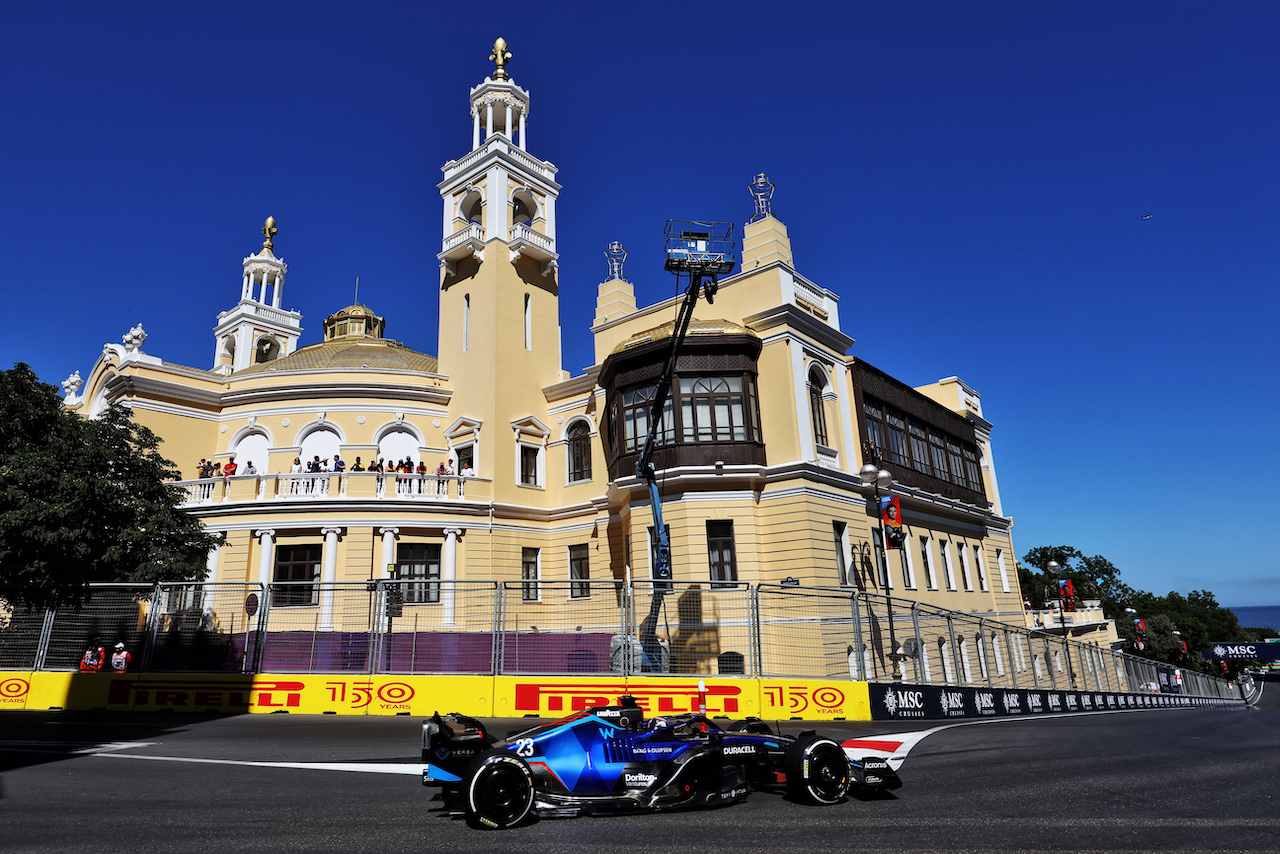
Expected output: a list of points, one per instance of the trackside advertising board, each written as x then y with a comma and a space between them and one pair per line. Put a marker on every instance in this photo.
935, 702
548, 696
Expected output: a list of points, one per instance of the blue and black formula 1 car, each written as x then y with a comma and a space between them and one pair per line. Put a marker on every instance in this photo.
610, 759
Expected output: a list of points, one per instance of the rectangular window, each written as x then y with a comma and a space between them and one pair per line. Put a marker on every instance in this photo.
712, 409
971, 470
720, 554
957, 462
881, 561
299, 568
419, 564
981, 564
635, 419
875, 425
919, 447
839, 531
965, 575
529, 465
908, 566
930, 577
579, 572
897, 434
528, 323
530, 575
938, 443
947, 568
1004, 572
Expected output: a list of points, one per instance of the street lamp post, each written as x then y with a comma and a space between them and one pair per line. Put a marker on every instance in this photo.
881, 479
1062, 621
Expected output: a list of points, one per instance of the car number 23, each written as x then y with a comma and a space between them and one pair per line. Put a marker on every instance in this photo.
524, 747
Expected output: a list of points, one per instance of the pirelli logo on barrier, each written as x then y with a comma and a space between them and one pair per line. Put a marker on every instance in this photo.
666, 697
196, 693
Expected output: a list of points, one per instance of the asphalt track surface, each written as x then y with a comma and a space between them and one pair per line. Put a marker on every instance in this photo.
1173, 780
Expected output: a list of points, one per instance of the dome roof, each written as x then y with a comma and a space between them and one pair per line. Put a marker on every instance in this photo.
697, 329
350, 354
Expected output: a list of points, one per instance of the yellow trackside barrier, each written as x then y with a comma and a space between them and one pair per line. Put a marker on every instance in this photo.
420, 696
814, 700
554, 696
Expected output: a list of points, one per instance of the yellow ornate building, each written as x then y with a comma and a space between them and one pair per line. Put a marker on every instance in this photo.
763, 443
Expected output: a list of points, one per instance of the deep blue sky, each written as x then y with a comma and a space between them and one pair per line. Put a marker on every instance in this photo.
973, 179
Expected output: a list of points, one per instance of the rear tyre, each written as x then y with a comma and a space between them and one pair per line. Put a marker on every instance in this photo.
498, 788
817, 770
750, 725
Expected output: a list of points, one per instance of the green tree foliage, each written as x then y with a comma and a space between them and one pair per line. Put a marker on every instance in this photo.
85, 500
1198, 617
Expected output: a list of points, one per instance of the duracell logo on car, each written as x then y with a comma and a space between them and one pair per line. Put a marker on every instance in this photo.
739, 749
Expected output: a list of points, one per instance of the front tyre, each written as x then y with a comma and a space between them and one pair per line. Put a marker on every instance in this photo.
498, 788
817, 770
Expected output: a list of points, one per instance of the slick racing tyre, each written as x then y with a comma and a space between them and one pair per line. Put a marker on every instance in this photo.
817, 770
750, 725
498, 787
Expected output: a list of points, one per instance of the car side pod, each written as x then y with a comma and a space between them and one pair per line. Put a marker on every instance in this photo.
817, 770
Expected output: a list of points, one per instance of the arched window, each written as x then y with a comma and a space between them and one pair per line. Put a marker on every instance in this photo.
321, 442
471, 208
253, 448
817, 412
267, 350
579, 452
398, 443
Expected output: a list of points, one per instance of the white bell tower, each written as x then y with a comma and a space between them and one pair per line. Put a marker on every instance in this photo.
499, 191
257, 329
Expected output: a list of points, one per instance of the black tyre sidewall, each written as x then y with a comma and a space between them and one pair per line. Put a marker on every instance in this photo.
803, 760
481, 772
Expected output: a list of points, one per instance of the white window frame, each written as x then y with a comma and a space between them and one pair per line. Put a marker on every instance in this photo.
980, 559
930, 571
1004, 571
947, 569
844, 552
965, 570
536, 581
908, 565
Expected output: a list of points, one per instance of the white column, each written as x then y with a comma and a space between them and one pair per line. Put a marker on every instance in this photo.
488, 120
244, 286
210, 576
803, 422
844, 391
328, 574
496, 209
522, 112
507, 126
448, 572
388, 551
549, 214
266, 554
275, 296
475, 129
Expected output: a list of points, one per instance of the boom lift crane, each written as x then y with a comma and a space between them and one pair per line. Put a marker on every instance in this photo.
702, 252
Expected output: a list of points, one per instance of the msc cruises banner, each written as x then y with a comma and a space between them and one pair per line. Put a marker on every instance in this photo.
933, 702
1243, 651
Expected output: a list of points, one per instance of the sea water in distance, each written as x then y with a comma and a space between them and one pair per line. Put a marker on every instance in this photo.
1257, 616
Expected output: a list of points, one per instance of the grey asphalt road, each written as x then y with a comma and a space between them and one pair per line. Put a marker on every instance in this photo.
1181, 780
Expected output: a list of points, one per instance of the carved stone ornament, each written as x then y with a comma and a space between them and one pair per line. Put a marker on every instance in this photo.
134, 338
72, 384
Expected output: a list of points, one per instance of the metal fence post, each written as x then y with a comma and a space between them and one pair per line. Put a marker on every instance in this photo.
918, 659
42, 645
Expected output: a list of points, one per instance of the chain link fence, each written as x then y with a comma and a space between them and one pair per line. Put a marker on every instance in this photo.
572, 627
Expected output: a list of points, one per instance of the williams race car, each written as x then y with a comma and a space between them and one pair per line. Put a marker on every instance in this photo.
610, 759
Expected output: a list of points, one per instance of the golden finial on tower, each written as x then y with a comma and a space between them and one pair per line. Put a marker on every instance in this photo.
500, 55
270, 231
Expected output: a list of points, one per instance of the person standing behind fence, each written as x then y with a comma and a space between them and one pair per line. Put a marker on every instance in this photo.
120, 659
93, 658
